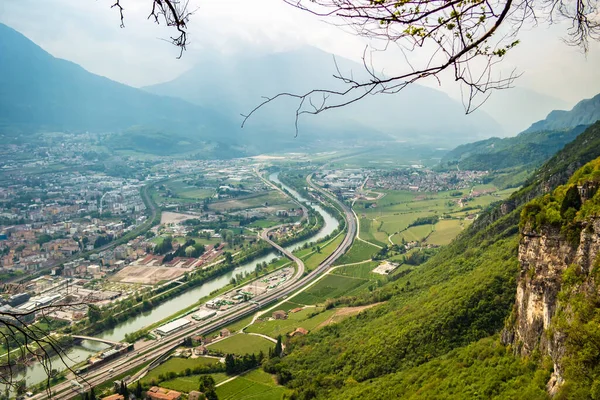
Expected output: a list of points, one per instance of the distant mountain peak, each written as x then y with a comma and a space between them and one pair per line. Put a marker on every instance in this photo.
236, 84
586, 112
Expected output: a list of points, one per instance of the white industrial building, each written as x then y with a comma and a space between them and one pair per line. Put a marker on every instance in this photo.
203, 314
172, 326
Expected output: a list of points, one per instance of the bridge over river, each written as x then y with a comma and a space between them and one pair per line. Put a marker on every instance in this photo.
95, 339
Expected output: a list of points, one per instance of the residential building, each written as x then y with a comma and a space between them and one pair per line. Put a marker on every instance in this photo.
159, 393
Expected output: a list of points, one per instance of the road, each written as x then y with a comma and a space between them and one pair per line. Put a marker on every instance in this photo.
160, 347
265, 236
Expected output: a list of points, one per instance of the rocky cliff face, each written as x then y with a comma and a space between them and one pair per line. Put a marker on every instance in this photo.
544, 257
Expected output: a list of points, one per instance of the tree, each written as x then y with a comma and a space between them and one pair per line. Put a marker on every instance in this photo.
94, 314
571, 200
20, 387
207, 382
207, 386
164, 246
124, 390
138, 390
92, 394
229, 364
278, 352
189, 251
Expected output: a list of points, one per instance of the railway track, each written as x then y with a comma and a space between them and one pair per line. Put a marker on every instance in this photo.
158, 348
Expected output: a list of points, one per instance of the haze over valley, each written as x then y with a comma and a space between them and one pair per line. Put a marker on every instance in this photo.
377, 229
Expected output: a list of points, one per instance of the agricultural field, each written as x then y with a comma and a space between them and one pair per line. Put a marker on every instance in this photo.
388, 220
255, 384
359, 251
370, 231
271, 199
312, 261
446, 230
309, 318
177, 191
289, 305
177, 365
362, 271
331, 286
392, 156
234, 327
241, 344
414, 233
188, 383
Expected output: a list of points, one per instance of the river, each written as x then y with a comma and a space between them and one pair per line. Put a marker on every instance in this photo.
36, 373
330, 223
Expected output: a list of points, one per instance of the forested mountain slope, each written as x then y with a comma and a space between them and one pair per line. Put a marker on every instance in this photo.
525, 152
525, 149
436, 334
557, 306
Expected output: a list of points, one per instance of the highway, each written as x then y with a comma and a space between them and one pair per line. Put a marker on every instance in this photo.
158, 348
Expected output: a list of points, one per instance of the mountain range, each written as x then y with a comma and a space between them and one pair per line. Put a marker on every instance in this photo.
41, 92
586, 112
519, 155
201, 109
236, 84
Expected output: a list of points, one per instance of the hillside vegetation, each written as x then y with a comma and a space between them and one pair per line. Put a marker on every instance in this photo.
525, 149
512, 159
435, 335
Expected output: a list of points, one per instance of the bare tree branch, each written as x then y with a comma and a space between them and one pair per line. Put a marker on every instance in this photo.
172, 13
29, 342
468, 38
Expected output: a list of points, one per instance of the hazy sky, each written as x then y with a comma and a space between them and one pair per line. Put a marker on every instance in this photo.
88, 33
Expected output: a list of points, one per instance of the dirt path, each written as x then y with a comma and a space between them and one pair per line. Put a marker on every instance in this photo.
346, 312
269, 338
358, 232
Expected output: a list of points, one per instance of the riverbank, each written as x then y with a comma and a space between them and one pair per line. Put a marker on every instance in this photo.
185, 299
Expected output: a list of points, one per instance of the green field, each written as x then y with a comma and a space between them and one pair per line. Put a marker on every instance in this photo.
330, 287
369, 231
359, 251
289, 305
204, 241
256, 385
196, 193
362, 271
444, 231
264, 223
188, 383
313, 260
241, 344
272, 198
301, 319
414, 233
392, 197
177, 365
397, 210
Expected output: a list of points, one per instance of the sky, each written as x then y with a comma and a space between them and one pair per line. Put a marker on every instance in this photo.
87, 32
